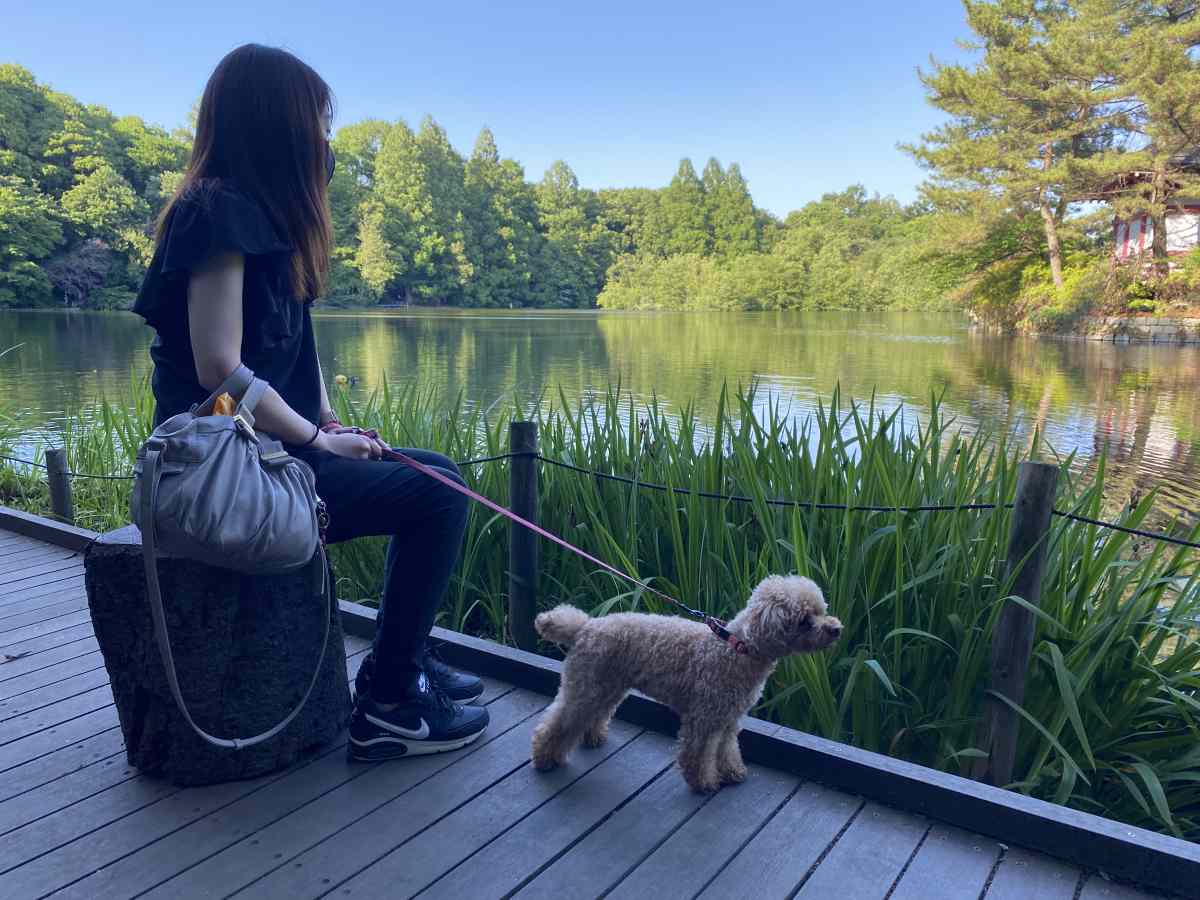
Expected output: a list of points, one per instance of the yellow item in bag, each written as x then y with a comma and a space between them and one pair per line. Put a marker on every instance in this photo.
224, 405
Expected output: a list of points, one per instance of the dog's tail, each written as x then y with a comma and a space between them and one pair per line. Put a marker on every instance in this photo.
561, 624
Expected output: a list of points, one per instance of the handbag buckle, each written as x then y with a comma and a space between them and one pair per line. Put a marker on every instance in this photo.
244, 428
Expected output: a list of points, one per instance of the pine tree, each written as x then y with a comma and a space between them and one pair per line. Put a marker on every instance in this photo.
1029, 120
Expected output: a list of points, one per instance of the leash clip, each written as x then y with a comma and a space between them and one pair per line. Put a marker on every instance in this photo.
725, 636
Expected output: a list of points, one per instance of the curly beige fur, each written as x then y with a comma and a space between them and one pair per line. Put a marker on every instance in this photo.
680, 663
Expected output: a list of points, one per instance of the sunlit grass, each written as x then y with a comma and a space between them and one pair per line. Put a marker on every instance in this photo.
1112, 703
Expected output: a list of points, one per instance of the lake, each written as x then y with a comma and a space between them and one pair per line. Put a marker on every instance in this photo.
1138, 401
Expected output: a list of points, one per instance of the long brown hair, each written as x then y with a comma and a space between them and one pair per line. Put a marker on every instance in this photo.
261, 127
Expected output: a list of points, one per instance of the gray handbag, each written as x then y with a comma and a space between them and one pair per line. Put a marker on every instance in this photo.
212, 489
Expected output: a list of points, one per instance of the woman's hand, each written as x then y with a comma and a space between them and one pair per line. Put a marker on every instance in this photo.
348, 444
379, 443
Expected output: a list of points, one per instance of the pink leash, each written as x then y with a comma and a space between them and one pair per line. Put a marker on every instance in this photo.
717, 626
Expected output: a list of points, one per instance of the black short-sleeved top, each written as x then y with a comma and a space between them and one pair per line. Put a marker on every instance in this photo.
277, 335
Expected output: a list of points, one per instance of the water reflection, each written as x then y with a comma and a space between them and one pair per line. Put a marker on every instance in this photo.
1138, 401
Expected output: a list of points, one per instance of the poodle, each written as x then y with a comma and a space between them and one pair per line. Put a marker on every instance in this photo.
710, 683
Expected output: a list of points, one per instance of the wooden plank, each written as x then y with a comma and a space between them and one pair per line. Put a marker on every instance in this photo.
778, 858
11, 552
1124, 851
867, 858
81, 784
632, 794
10, 558
46, 767
71, 862
950, 864
9, 539
59, 623
21, 651
366, 826
44, 529
51, 585
50, 674
62, 791
47, 741
607, 776
21, 575
15, 664
66, 825
36, 604
602, 857
1100, 888
219, 853
721, 827
64, 689
356, 644
1024, 874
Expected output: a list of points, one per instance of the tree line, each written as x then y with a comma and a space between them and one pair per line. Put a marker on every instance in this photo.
417, 223
1069, 112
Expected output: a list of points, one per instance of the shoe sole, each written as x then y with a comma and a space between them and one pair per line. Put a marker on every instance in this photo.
462, 700
382, 748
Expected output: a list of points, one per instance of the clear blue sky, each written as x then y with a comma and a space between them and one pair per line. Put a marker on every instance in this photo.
807, 97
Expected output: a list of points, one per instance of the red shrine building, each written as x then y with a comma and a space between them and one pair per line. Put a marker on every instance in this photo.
1133, 236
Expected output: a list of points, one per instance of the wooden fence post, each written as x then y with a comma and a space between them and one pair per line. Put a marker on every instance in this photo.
61, 503
522, 543
1012, 641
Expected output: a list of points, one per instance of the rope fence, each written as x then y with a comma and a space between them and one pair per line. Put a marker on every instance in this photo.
727, 498
1012, 639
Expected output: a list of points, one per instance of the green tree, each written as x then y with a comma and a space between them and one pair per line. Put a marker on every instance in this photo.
625, 214
29, 233
501, 220
1029, 120
679, 222
579, 246
735, 223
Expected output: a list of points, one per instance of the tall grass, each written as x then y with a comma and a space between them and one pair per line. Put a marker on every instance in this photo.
1110, 715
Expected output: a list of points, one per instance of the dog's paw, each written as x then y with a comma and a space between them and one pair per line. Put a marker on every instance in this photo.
703, 785
594, 739
545, 763
733, 775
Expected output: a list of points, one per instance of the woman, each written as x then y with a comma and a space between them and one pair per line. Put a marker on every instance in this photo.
242, 251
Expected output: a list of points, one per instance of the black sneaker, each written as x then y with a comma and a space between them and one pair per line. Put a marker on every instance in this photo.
460, 687
426, 721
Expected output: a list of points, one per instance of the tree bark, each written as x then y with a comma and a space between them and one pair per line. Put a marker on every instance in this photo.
1050, 221
1052, 246
1158, 215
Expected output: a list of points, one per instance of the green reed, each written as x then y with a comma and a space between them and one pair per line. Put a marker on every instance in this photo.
1110, 716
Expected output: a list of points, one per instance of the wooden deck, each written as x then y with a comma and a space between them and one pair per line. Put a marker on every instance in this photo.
76, 821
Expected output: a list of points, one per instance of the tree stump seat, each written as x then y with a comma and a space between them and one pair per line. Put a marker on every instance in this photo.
245, 647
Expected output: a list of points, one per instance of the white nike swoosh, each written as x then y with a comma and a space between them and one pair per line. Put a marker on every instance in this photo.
417, 735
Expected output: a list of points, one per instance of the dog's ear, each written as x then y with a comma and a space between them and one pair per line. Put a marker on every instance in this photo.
768, 619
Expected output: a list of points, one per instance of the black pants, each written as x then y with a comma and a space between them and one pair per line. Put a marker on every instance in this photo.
426, 521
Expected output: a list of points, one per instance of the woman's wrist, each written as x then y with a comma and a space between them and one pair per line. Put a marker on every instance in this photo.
327, 417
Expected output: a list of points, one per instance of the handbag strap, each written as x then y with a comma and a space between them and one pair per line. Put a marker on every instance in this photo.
236, 384
153, 472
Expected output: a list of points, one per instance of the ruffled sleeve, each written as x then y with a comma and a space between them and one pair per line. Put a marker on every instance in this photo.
214, 220
209, 219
